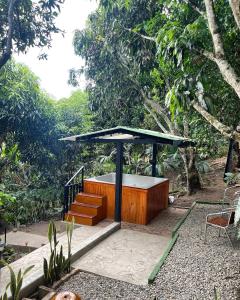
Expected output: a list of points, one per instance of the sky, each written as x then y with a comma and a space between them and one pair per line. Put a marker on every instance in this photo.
54, 72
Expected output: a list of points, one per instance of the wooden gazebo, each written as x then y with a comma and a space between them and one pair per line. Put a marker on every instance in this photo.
120, 135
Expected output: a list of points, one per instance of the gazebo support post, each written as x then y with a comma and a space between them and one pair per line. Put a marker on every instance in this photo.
118, 188
154, 160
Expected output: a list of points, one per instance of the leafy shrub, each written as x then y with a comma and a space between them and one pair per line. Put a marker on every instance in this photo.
8, 254
33, 205
58, 264
5, 201
15, 283
202, 166
232, 178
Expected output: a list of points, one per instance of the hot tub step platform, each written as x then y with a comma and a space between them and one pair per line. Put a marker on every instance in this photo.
83, 219
90, 198
86, 208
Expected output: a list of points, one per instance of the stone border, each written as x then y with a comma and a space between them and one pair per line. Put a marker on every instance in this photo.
175, 236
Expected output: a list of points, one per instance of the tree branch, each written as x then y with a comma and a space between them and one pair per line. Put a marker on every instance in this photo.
195, 7
213, 27
226, 70
235, 6
145, 37
223, 129
156, 119
8, 51
157, 107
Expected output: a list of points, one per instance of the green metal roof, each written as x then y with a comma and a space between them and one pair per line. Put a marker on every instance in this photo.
130, 135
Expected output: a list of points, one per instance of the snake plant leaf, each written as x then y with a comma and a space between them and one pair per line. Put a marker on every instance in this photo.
4, 297
50, 233
18, 288
13, 284
28, 269
45, 269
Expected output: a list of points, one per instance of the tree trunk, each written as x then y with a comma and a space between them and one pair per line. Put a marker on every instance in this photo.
7, 52
184, 159
194, 178
218, 56
235, 6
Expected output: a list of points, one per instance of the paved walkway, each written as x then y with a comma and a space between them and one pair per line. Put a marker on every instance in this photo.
21, 238
126, 255
82, 237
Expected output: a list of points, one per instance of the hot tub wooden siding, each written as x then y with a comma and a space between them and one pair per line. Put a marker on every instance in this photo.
139, 206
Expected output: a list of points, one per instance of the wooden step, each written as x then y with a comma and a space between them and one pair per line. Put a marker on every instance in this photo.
81, 218
87, 209
89, 198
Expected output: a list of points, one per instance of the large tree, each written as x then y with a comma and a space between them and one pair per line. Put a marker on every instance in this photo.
73, 114
122, 69
27, 113
25, 24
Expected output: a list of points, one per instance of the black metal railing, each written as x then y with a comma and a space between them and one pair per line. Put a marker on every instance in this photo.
72, 188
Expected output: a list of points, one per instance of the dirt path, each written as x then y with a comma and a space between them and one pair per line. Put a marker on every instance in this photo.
213, 186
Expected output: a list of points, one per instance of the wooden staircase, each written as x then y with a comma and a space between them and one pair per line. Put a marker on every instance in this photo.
87, 209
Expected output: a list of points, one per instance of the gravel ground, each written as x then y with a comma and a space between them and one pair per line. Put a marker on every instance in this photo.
191, 271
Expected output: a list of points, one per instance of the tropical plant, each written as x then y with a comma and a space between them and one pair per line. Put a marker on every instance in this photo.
203, 166
58, 264
232, 178
15, 283
8, 254
5, 201
6, 198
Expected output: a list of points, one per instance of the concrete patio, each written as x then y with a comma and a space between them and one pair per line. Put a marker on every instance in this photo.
126, 255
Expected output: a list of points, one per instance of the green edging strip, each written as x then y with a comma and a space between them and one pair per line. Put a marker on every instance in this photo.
179, 224
174, 238
158, 266
171, 243
213, 203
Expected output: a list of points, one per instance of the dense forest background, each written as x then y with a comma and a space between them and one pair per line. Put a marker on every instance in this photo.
170, 66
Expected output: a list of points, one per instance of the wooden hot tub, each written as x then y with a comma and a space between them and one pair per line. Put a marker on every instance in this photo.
143, 197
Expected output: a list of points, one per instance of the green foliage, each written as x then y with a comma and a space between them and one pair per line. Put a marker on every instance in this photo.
232, 178
29, 147
15, 283
113, 99
58, 264
23, 103
5, 199
32, 205
73, 115
203, 166
8, 254
33, 23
